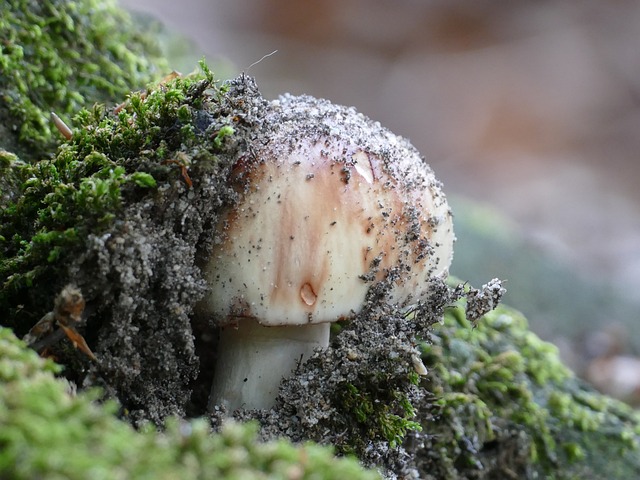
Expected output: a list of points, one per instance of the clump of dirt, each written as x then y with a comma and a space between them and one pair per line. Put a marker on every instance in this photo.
143, 274
362, 394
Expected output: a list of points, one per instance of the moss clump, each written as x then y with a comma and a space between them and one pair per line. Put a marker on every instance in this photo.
80, 192
378, 417
503, 403
62, 55
122, 211
48, 432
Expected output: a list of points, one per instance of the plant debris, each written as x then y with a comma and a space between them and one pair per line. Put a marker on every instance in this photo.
67, 314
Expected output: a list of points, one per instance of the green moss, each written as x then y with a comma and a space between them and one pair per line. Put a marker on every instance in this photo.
387, 416
61, 201
62, 55
107, 214
225, 131
499, 387
47, 432
6, 160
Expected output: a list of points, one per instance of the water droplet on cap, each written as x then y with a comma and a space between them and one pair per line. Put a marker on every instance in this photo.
307, 294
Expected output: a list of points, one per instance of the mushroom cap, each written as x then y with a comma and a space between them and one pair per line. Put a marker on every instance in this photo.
329, 203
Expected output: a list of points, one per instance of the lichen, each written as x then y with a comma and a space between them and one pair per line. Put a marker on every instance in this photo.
62, 55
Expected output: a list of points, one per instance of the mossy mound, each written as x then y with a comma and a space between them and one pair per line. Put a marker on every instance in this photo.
122, 211
503, 405
62, 55
48, 432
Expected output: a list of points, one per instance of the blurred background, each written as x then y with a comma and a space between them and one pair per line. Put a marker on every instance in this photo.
529, 112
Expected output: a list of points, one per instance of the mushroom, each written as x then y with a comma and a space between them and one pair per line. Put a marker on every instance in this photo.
329, 204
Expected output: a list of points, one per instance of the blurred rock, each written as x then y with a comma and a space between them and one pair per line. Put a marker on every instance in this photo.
617, 376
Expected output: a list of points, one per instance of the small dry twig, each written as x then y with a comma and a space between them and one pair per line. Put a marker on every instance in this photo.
62, 127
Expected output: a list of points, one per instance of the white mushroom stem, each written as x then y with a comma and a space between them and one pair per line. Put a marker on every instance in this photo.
253, 360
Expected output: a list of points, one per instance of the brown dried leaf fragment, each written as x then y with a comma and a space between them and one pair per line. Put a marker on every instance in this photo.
67, 313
